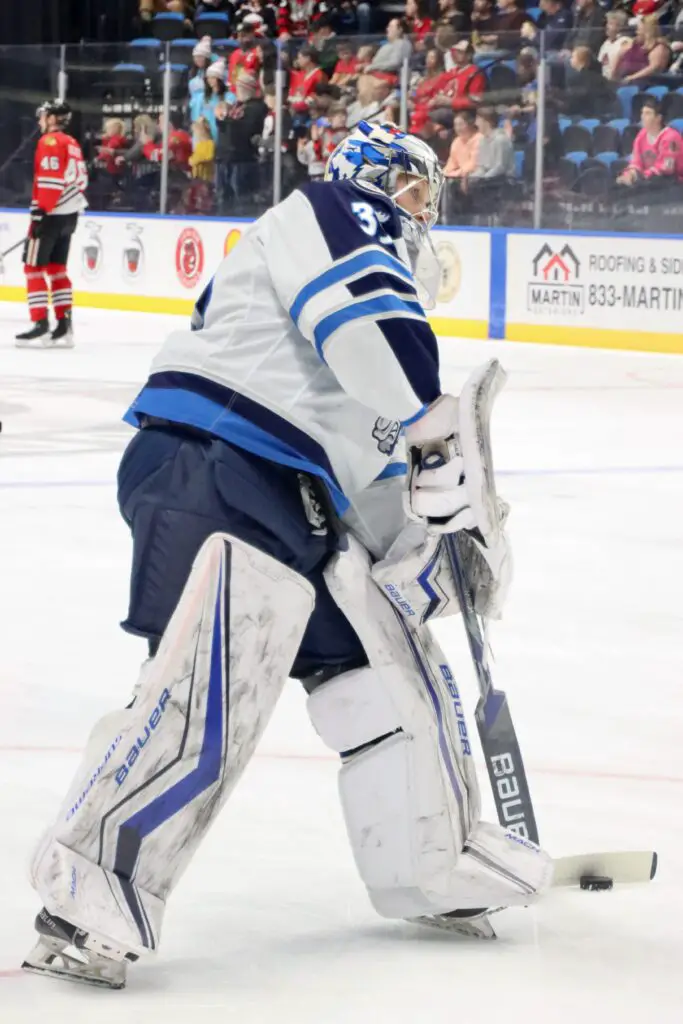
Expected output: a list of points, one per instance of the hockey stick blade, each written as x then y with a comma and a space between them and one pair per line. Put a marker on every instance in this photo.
494, 721
623, 867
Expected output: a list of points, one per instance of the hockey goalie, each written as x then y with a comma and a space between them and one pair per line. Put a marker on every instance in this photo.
291, 443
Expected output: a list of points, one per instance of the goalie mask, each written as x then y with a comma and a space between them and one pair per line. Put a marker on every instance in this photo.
404, 168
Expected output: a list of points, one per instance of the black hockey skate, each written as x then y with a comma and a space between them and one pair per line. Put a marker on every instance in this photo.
473, 923
40, 329
63, 332
64, 951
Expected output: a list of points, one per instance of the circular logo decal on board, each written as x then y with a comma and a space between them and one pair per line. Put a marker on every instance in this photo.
451, 271
189, 257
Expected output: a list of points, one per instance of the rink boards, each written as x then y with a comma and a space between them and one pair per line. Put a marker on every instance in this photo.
588, 289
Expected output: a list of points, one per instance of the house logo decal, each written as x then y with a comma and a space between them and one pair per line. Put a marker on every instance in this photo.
556, 282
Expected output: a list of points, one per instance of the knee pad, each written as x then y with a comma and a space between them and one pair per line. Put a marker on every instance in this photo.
156, 775
407, 783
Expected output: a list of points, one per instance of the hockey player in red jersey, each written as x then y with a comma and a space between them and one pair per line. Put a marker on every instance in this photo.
59, 182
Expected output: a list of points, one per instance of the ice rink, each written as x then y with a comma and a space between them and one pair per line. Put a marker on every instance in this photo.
271, 925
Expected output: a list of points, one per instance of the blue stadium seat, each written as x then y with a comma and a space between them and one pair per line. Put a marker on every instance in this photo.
619, 123
225, 44
659, 91
606, 139
564, 122
145, 44
129, 79
677, 124
607, 158
215, 25
484, 59
534, 12
519, 163
577, 157
589, 123
168, 26
625, 94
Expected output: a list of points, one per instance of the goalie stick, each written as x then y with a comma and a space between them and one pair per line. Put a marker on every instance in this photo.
494, 721
8, 251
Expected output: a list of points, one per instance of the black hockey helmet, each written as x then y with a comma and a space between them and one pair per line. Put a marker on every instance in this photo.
59, 109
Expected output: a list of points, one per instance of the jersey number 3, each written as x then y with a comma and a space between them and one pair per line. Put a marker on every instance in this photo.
367, 218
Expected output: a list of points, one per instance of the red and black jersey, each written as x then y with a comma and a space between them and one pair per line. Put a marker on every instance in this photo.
296, 17
60, 175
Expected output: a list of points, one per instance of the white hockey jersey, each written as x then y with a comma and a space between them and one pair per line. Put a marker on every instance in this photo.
309, 347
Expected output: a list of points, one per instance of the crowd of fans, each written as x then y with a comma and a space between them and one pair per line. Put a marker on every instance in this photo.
472, 93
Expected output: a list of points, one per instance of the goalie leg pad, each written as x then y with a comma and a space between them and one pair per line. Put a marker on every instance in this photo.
407, 783
144, 799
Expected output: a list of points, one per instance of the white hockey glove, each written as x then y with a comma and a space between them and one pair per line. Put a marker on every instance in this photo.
451, 484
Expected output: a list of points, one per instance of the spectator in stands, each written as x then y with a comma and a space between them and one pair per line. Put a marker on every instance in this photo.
462, 87
453, 14
266, 11
556, 22
495, 152
179, 142
346, 69
507, 25
324, 39
462, 159
618, 40
240, 126
445, 39
588, 93
202, 158
145, 131
657, 157
397, 49
294, 18
426, 90
373, 96
247, 55
215, 93
305, 76
201, 58
649, 54
114, 142
325, 135
483, 25
589, 26
419, 25
148, 8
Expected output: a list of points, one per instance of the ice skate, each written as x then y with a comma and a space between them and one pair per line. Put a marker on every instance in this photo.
63, 334
474, 924
40, 329
64, 951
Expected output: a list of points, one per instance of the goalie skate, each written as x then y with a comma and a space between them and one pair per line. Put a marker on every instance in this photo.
474, 924
64, 951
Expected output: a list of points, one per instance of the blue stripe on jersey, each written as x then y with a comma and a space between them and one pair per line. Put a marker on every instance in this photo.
414, 344
393, 469
340, 272
371, 307
226, 414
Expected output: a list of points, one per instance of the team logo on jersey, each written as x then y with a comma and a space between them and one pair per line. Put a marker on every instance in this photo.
133, 253
386, 433
231, 240
91, 255
189, 257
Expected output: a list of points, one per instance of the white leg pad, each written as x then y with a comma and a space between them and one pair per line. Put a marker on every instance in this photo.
407, 783
154, 777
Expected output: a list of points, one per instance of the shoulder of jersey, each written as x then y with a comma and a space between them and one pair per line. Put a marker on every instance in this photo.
343, 193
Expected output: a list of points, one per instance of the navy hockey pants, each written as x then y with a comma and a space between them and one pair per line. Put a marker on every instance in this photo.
176, 487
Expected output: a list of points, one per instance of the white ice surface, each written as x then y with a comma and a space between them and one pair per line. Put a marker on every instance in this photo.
271, 925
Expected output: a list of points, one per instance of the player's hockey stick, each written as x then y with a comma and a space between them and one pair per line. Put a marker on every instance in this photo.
8, 251
494, 722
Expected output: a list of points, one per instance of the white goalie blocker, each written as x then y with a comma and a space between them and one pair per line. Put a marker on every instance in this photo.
155, 776
408, 785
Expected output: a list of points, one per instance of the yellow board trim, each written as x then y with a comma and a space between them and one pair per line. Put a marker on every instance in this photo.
595, 337
446, 327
